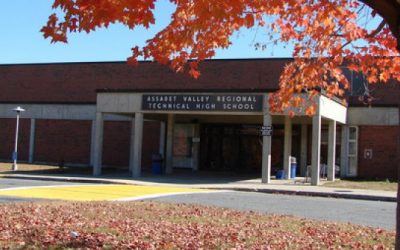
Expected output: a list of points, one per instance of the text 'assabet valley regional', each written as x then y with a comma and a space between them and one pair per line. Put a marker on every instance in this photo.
243, 103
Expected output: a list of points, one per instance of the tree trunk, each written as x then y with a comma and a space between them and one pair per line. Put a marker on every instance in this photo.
389, 10
398, 182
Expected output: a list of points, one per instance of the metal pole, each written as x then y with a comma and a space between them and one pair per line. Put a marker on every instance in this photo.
14, 166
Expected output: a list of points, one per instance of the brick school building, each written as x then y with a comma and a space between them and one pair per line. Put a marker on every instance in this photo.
109, 114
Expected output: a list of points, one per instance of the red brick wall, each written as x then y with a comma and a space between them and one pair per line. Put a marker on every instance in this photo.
77, 82
7, 138
69, 140
383, 142
151, 142
116, 137
58, 140
116, 143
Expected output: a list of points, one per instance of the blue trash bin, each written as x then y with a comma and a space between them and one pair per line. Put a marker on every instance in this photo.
156, 164
293, 167
280, 174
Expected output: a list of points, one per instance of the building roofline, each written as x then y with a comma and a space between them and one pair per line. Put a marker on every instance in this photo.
47, 103
149, 61
145, 61
105, 90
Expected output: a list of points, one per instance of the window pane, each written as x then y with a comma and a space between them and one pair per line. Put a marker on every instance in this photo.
353, 133
352, 166
358, 84
352, 148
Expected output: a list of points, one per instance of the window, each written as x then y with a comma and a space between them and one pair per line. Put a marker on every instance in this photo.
182, 148
352, 150
357, 82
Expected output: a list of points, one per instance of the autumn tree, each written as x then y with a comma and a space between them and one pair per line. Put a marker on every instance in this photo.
389, 10
326, 34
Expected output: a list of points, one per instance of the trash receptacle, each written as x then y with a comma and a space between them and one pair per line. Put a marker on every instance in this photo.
156, 164
280, 174
293, 166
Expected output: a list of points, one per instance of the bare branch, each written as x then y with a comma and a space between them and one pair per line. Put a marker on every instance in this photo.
378, 29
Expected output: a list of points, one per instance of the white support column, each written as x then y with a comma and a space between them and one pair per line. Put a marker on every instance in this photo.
303, 150
266, 148
162, 140
98, 147
196, 147
316, 149
344, 145
131, 145
32, 140
137, 145
170, 143
331, 150
92, 143
287, 148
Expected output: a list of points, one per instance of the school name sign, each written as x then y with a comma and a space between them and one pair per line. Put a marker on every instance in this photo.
229, 103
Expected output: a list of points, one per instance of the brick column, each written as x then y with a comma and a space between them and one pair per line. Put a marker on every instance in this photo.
287, 150
98, 147
32, 141
131, 145
316, 149
138, 141
266, 147
170, 143
331, 150
303, 150
92, 142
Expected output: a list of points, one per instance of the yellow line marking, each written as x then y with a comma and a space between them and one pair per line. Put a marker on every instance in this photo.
94, 192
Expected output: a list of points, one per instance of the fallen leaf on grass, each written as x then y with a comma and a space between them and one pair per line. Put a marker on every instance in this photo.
151, 225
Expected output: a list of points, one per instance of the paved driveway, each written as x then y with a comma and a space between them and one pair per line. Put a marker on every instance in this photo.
368, 213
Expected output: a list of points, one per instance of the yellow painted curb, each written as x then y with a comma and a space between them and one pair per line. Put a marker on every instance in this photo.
94, 192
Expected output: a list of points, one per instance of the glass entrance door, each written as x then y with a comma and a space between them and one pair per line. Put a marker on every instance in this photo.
232, 148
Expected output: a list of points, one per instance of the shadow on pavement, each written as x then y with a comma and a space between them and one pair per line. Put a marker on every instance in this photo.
179, 176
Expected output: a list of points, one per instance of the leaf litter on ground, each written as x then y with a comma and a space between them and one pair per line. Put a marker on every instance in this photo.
153, 225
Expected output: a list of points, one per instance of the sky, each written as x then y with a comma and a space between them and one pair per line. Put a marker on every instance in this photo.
22, 42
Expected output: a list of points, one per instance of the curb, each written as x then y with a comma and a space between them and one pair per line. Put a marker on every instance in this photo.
257, 190
317, 194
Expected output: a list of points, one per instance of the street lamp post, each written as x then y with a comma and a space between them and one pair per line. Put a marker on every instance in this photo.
18, 110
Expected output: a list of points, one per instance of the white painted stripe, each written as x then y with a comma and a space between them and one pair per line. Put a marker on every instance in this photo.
151, 196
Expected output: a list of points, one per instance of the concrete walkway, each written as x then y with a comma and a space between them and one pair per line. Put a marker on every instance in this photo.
290, 187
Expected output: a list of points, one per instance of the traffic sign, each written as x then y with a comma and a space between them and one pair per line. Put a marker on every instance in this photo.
266, 130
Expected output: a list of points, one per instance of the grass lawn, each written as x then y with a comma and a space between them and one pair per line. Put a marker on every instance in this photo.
364, 184
22, 167
150, 225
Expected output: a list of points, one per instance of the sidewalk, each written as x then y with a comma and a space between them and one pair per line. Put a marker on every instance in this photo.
289, 187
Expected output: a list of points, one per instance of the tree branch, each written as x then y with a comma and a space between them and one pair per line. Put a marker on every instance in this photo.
378, 29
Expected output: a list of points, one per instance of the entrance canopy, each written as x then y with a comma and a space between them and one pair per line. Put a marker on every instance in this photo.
215, 107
